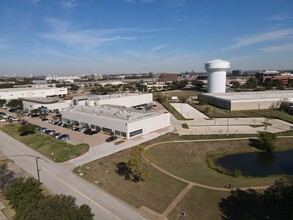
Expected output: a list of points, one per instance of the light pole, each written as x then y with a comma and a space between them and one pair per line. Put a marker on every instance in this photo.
38, 170
228, 122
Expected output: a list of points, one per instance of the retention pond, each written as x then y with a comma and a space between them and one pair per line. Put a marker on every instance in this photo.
259, 164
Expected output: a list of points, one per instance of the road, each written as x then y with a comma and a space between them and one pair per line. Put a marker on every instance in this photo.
60, 180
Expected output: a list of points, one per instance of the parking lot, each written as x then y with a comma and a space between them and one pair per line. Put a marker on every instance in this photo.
76, 137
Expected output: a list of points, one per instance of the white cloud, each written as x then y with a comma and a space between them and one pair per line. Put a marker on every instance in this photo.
279, 48
69, 4
243, 41
64, 32
278, 18
159, 47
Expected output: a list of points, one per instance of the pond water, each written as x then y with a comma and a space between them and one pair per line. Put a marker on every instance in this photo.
259, 164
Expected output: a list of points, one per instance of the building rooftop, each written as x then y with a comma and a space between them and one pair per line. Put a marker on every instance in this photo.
26, 88
103, 97
47, 100
118, 112
264, 95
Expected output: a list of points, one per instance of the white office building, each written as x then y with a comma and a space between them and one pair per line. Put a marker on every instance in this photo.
125, 100
124, 122
16, 93
48, 104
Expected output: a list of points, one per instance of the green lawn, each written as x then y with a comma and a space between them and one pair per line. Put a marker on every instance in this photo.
46, 144
156, 193
212, 112
172, 110
199, 203
188, 160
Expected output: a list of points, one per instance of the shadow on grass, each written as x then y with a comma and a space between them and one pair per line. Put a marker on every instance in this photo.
123, 170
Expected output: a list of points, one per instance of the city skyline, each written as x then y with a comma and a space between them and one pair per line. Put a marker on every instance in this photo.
129, 36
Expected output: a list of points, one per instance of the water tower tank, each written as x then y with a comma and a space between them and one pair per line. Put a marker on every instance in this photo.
217, 75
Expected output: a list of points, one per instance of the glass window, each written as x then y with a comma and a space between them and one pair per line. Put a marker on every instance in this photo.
133, 133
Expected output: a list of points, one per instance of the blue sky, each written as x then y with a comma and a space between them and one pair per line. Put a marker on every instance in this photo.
129, 36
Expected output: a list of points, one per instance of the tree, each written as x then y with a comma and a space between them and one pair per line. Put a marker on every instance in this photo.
22, 192
26, 130
36, 111
15, 103
266, 141
2, 102
275, 203
137, 168
251, 83
54, 208
235, 84
198, 84
26, 197
5, 174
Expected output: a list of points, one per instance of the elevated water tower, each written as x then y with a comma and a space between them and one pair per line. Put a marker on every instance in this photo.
217, 75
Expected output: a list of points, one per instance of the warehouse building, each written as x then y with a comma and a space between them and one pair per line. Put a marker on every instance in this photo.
123, 122
247, 100
48, 104
16, 93
125, 100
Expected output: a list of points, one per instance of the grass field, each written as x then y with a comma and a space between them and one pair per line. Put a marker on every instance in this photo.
190, 162
212, 112
46, 144
172, 110
156, 193
186, 160
199, 204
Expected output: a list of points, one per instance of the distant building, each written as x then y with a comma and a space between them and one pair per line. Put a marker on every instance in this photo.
266, 75
69, 79
159, 86
237, 73
16, 93
247, 100
48, 104
124, 100
168, 77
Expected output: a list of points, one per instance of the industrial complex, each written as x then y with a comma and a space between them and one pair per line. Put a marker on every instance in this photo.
16, 93
124, 122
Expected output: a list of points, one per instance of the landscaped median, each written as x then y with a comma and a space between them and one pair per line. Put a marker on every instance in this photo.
47, 145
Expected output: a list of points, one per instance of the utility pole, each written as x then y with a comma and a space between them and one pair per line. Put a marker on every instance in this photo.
38, 170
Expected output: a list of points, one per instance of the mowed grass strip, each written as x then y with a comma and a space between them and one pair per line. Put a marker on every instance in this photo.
188, 160
212, 112
47, 145
199, 203
156, 193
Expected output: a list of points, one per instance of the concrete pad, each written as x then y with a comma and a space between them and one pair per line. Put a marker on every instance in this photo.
188, 111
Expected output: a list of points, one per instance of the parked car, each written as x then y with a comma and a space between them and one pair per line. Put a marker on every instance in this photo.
87, 131
75, 128
83, 129
64, 137
64, 125
48, 131
55, 122
2, 114
56, 135
112, 138
23, 122
59, 123
44, 130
